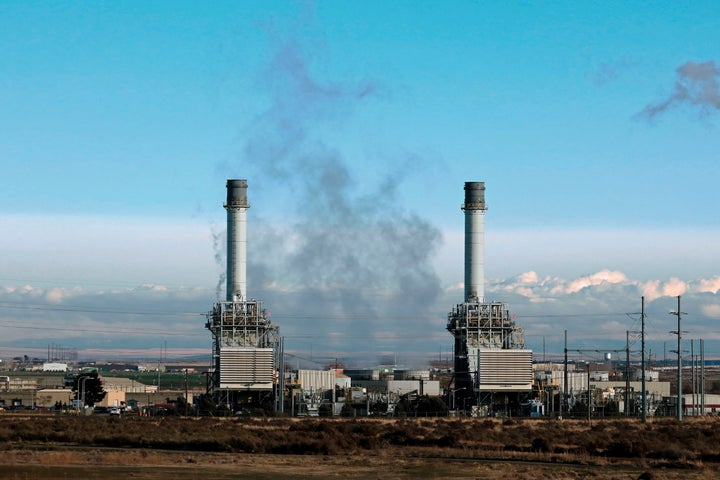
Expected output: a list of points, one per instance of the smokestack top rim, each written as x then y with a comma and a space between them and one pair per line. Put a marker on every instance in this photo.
474, 196
236, 193
236, 182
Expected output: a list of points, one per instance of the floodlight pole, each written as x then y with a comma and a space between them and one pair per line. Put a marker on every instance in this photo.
588, 393
82, 392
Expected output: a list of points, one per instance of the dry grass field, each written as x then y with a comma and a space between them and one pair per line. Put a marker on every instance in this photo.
45, 446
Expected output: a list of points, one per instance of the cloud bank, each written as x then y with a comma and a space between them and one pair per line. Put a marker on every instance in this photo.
597, 310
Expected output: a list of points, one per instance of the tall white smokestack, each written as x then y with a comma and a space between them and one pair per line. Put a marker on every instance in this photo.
474, 208
236, 207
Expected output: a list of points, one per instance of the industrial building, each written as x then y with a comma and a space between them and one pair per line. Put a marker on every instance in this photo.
493, 370
355, 393
247, 348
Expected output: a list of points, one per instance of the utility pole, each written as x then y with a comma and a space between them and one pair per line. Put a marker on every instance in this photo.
565, 379
679, 333
702, 377
693, 378
642, 362
627, 373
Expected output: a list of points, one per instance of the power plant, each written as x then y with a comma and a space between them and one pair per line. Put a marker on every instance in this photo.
492, 372
247, 348
491, 365
489, 353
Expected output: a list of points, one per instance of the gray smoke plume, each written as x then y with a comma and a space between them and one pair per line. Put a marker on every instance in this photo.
219, 246
696, 85
346, 262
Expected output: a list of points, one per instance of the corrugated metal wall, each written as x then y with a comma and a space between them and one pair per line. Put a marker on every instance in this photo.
505, 370
316, 379
246, 368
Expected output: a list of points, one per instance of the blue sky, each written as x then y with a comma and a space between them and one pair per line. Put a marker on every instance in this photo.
594, 126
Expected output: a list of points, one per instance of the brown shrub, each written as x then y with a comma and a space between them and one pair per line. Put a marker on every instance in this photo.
659, 440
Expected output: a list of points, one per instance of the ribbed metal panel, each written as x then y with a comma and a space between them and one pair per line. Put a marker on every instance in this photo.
247, 368
505, 370
316, 380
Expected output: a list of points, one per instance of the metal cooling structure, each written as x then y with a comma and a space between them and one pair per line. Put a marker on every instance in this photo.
247, 351
489, 347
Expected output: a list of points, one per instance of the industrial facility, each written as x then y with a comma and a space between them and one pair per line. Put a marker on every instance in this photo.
493, 370
247, 348
491, 366
492, 373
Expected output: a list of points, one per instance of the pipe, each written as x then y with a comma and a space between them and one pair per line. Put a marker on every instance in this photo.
474, 209
236, 206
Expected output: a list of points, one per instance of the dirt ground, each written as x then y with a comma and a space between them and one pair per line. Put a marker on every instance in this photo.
48, 462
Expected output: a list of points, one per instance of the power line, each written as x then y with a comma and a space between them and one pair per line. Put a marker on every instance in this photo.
92, 330
346, 316
80, 283
78, 309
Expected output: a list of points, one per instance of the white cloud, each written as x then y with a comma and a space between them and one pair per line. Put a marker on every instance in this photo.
528, 277
599, 278
651, 290
674, 287
711, 285
54, 295
654, 289
152, 287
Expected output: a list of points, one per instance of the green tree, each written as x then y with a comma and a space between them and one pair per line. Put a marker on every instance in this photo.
88, 387
430, 407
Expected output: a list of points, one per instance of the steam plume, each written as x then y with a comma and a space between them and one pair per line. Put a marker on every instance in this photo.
346, 258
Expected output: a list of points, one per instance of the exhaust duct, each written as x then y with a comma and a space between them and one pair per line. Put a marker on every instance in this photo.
474, 209
236, 206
